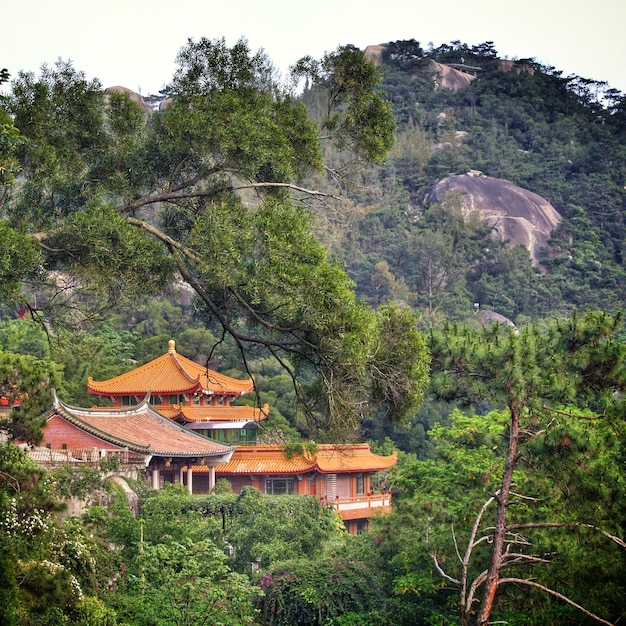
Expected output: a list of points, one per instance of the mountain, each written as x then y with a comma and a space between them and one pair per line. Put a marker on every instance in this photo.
550, 150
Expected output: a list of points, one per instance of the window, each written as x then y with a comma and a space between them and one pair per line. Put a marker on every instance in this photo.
361, 526
129, 400
247, 437
156, 400
278, 486
360, 484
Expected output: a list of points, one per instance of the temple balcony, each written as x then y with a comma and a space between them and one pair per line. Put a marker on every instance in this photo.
359, 507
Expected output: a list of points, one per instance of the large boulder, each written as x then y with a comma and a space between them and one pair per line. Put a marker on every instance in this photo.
517, 216
133, 95
448, 77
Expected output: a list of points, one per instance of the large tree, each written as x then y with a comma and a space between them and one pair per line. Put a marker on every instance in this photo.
124, 201
536, 375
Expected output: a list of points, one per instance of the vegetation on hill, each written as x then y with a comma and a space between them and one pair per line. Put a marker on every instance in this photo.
560, 137
282, 235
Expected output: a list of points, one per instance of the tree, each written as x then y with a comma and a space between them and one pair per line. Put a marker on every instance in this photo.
315, 592
187, 583
356, 118
205, 190
27, 385
576, 361
46, 565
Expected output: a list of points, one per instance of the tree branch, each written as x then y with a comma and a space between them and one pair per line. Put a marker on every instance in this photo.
177, 194
441, 572
613, 538
589, 418
556, 594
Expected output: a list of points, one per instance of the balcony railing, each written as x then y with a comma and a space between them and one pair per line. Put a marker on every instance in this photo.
358, 507
84, 456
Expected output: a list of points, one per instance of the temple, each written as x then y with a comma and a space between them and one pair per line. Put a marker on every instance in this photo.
174, 419
189, 394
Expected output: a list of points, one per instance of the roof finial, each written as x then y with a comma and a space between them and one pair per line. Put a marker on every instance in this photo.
171, 346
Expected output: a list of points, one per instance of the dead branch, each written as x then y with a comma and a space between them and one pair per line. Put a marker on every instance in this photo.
441, 572
556, 594
620, 542
467, 599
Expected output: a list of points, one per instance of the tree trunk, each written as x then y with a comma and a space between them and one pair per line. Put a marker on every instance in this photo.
493, 574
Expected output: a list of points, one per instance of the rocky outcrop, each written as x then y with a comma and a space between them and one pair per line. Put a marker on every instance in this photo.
445, 76
456, 75
134, 96
375, 53
518, 216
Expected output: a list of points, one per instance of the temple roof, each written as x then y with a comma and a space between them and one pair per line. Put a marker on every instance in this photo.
140, 428
328, 459
170, 373
198, 414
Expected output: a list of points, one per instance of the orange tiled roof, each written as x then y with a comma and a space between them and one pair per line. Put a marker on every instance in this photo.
334, 459
265, 459
140, 428
170, 373
195, 414
329, 459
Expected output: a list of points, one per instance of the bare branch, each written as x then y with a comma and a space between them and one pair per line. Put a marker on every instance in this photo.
620, 542
477, 582
456, 545
441, 572
178, 194
514, 558
556, 594
466, 600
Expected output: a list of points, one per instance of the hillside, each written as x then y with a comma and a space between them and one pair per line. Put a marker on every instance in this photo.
516, 122
552, 181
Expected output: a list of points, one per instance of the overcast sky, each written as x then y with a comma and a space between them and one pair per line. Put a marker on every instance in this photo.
133, 43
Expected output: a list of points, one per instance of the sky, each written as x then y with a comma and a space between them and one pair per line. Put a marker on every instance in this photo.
133, 43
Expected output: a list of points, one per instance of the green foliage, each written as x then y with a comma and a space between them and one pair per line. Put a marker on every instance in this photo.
357, 117
73, 482
400, 362
27, 383
324, 591
24, 336
173, 515
269, 529
304, 448
186, 583
19, 258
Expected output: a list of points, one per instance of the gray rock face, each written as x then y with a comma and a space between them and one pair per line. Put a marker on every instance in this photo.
516, 215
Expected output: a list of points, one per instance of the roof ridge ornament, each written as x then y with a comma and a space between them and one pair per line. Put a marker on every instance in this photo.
171, 347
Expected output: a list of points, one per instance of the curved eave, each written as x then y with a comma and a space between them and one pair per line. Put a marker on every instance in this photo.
96, 391
215, 415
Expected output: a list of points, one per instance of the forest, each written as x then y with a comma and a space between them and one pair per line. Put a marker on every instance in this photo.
282, 229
